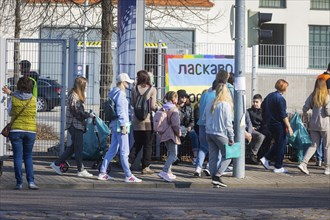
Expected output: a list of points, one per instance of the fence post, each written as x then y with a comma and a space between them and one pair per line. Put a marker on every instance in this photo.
3, 102
254, 68
63, 96
159, 88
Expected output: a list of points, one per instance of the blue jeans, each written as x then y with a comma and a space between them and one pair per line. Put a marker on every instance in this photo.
320, 151
22, 143
118, 142
276, 152
217, 154
172, 151
203, 149
193, 140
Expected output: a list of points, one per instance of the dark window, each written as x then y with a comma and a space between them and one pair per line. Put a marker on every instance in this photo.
319, 46
272, 51
320, 4
272, 3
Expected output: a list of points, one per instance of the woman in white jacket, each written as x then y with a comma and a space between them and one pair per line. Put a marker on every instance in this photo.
319, 124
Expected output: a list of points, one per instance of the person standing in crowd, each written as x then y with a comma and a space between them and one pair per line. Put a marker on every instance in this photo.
203, 149
22, 109
276, 119
142, 130
25, 68
219, 131
257, 138
76, 125
319, 124
187, 121
119, 131
171, 137
326, 77
223, 77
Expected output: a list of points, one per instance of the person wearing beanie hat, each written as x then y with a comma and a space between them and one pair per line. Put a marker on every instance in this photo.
187, 122
326, 77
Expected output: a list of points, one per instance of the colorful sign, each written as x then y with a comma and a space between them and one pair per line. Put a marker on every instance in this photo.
194, 73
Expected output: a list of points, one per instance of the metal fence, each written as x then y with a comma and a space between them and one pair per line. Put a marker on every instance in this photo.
48, 57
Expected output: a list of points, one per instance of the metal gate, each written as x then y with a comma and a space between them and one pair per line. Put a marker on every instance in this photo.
48, 58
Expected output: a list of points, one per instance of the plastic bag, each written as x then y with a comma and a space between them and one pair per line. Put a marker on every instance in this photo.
300, 138
91, 149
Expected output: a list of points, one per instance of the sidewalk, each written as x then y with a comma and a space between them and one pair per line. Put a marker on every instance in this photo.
256, 177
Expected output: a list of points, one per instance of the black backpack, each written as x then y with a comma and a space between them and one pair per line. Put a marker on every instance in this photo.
109, 108
141, 108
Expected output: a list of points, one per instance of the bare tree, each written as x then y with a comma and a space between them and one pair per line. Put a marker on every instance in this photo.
33, 14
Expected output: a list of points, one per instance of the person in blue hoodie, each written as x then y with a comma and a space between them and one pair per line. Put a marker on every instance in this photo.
119, 131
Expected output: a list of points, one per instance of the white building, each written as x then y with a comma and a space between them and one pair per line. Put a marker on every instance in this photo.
299, 49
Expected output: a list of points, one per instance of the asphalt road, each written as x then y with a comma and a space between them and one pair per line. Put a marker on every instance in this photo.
128, 203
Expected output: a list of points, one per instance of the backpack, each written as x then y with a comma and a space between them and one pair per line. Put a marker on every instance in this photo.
109, 108
141, 108
161, 121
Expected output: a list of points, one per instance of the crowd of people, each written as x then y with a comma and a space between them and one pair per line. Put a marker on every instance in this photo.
208, 126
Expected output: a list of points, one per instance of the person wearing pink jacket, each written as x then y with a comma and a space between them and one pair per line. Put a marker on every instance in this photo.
171, 137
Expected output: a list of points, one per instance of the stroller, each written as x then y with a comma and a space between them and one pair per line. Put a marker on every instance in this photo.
95, 143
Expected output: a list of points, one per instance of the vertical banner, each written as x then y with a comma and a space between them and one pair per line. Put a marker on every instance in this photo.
126, 37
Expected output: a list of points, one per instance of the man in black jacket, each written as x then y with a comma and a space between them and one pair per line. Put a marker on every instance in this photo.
260, 135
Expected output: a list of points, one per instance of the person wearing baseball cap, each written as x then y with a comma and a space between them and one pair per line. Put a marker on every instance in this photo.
119, 131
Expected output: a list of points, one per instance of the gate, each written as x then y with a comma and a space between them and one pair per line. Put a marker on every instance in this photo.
48, 59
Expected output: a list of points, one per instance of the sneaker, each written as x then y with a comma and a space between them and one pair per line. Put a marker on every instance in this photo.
147, 170
132, 179
265, 163
18, 186
303, 168
33, 186
319, 163
206, 172
280, 170
253, 160
216, 180
227, 173
198, 172
171, 175
84, 173
104, 176
165, 176
56, 168
327, 171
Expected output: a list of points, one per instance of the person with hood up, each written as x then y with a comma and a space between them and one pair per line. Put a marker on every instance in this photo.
171, 136
119, 131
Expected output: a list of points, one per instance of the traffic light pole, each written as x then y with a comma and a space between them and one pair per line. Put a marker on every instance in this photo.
240, 87
254, 68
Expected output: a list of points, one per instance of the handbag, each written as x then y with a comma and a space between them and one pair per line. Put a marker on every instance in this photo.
233, 151
6, 130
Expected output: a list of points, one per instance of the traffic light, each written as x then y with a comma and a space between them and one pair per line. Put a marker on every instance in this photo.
255, 21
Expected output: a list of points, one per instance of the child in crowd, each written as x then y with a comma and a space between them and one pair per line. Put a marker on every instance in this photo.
171, 136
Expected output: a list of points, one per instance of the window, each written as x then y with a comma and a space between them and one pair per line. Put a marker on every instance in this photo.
272, 3
320, 4
319, 46
272, 51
